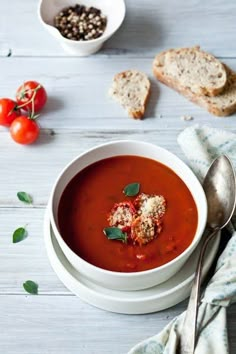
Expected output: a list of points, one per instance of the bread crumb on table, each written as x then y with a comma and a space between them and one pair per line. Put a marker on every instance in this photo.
186, 118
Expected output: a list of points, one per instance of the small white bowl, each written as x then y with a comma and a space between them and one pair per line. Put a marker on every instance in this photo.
114, 10
134, 280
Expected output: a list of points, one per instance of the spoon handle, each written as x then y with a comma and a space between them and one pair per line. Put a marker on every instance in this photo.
188, 333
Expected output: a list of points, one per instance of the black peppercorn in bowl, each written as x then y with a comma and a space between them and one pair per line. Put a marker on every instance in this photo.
83, 26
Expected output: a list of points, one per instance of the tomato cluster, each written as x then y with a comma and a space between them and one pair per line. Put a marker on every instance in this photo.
31, 98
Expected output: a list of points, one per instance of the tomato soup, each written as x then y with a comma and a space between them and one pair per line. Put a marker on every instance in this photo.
91, 194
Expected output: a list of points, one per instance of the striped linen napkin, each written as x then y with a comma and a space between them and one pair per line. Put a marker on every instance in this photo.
201, 145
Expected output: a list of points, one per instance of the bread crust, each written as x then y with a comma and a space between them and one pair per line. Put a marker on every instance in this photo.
203, 100
140, 114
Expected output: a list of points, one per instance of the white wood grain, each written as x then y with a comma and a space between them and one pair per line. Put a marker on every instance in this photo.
150, 26
27, 259
65, 325
78, 94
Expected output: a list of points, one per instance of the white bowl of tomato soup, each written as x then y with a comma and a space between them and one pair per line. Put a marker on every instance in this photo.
128, 214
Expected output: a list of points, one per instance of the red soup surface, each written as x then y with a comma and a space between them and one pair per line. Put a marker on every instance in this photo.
91, 194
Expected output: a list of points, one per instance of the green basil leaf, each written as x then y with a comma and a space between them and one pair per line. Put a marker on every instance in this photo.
132, 189
19, 235
25, 197
114, 233
31, 287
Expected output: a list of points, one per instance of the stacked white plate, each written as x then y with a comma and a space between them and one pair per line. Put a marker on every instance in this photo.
149, 300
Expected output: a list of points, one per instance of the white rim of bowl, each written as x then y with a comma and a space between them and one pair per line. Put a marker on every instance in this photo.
149, 271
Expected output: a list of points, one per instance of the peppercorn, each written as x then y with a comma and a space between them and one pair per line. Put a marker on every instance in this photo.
80, 23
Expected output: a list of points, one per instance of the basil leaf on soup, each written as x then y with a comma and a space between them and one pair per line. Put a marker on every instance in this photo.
25, 197
114, 233
131, 189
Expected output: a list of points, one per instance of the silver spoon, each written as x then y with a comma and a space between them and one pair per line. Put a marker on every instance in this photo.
219, 186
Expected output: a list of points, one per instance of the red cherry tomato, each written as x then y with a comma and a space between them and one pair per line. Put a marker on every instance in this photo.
8, 111
24, 130
31, 96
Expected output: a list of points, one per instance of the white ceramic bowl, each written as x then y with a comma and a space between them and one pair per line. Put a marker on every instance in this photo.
114, 10
135, 280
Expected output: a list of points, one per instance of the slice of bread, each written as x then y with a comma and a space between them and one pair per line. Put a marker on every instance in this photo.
191, 68
221, 105
131, 89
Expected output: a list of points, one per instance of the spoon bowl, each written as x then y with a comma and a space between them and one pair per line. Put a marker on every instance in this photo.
219, 187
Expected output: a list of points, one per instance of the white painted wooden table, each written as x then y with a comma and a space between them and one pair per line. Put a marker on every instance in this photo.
81, 116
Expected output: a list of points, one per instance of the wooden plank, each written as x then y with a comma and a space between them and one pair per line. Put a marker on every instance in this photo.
62, 325
34, 168
65, 325
78, 95
27, 259
150, 26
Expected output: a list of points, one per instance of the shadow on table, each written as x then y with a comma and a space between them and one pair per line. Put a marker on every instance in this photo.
224, 239
53, 104
141, 31
153, 99
46, 137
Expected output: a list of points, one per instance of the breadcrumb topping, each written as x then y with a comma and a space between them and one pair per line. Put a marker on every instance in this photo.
121, 215
150, 205
141, 220
144, 229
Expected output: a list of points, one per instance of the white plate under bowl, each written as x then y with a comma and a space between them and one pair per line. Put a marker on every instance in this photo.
149, 300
